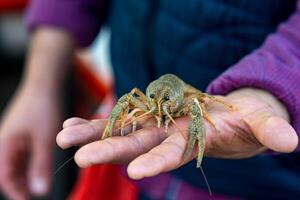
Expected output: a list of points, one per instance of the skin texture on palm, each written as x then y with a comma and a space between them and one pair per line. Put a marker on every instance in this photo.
260, 123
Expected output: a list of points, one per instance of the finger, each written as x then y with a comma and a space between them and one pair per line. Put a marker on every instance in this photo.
90, 131
273, 132
165, 157
15, 191
12, 176
40, 166
80, 134
119, 149
73, 121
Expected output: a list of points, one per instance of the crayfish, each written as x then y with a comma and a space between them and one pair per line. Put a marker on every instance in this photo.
167, 98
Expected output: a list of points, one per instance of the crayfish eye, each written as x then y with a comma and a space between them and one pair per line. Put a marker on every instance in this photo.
166, 97
151, 96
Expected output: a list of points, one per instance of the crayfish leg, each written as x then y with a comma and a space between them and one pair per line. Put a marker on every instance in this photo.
158, 119
209, 119
219, 100
123, 120
135, 115
167, 121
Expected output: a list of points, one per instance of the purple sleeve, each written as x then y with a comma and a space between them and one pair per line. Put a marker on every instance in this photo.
275, 67
82, 18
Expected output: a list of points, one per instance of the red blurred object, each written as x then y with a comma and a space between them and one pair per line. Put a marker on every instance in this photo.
10, 5
104, 182
100, 181
89, 87
97, 89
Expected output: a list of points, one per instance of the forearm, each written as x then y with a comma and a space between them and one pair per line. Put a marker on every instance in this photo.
48, 60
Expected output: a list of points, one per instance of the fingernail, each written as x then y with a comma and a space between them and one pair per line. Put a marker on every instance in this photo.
81, 159
63, 141
39, 186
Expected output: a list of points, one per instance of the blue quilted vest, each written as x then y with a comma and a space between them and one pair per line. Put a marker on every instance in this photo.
198, 40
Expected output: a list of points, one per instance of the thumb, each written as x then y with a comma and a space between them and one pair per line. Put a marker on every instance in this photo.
273, 132
40, 167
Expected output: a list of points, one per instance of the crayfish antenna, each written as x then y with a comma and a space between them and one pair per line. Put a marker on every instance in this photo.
206, 181
64, 164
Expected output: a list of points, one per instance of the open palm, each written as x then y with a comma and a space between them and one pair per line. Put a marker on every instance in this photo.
259, 123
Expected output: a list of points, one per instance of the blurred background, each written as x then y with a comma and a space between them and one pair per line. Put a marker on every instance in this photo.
13, 45
89, 84
13, 42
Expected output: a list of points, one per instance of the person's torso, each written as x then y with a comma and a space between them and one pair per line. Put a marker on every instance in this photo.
197, 40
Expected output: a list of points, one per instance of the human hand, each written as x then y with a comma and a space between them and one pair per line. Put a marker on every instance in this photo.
27, 141
260, 122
